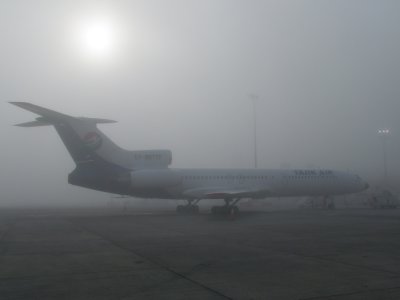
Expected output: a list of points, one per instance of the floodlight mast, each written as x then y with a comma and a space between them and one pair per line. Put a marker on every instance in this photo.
254, 99
384, 134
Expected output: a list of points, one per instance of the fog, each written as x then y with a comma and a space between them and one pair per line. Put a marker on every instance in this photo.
179, 77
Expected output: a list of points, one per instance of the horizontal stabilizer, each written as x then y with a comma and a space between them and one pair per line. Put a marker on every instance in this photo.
36, 123
51, 116
47, 113
96, 120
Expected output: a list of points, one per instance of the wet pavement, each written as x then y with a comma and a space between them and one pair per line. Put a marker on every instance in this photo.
299, 254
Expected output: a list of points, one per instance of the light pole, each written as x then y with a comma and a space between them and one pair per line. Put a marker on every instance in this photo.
254, 99
384, 134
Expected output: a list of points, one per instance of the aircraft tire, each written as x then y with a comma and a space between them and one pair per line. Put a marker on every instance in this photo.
216, 210
225, 210
236, 210
195, 209
180, 209
233, 211
187, 209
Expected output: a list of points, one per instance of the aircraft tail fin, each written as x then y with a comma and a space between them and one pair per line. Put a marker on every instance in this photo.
83, 140
87, 144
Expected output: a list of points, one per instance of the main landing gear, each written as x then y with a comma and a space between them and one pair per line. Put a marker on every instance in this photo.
229, 209
329, 202
191, 208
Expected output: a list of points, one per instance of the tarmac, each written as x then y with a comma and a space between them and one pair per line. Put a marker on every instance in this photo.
106, 254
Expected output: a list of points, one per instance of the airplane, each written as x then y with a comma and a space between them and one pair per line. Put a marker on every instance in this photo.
102, 165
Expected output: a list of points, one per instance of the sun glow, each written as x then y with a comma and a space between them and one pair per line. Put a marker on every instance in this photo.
96, 38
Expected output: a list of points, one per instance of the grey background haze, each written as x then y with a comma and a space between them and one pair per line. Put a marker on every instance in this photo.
327, 74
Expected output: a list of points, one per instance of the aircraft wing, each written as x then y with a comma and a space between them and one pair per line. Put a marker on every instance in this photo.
222, 193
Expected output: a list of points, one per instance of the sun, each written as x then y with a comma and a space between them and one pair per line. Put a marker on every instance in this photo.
96, 37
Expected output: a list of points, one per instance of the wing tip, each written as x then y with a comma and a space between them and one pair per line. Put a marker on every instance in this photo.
22, 104
18, 102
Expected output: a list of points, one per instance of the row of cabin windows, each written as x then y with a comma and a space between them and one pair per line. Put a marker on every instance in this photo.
227, 177
310, 177
193, 177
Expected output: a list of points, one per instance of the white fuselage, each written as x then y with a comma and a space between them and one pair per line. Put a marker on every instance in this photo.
102, 165
173, 183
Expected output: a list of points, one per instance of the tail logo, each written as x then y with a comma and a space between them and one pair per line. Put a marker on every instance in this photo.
92, 140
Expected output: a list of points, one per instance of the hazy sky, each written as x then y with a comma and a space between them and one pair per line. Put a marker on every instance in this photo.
179, 74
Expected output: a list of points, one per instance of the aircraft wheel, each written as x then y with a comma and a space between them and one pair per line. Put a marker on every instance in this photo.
233, 211
236, 210
180, 209
187, 209
225, 210
216, 210
195, 209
